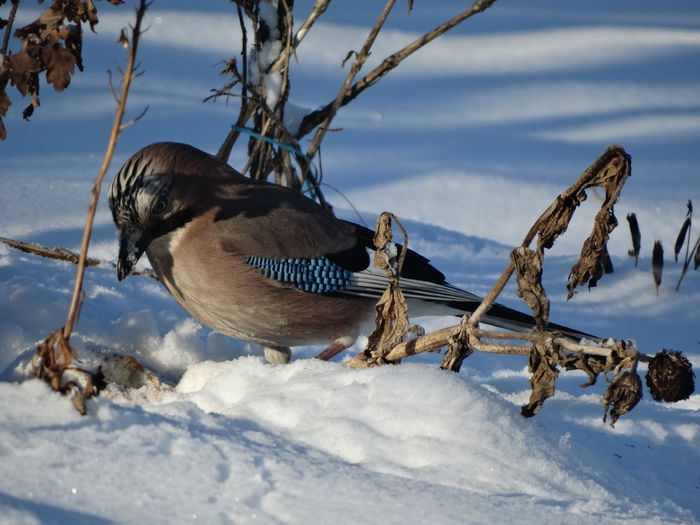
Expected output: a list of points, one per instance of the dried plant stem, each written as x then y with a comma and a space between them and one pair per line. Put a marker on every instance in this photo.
357, 64
433, 341
686, 262
64, 254
117, 127
61, 254
351, 92
610, 170
8, 29
317, 10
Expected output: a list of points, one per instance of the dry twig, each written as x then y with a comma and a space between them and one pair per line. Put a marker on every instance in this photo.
546, 349
55, 355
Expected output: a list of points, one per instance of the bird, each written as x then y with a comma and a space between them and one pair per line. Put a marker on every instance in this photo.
264, 263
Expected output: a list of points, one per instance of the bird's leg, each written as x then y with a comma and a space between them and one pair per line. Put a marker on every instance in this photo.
333, 350
277, 355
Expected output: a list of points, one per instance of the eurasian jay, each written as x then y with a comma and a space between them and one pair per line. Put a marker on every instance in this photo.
263, 263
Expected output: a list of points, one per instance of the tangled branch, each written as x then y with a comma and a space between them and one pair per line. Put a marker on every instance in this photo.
670, 376
55, 355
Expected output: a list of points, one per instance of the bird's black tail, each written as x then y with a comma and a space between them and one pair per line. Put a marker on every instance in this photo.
510, 319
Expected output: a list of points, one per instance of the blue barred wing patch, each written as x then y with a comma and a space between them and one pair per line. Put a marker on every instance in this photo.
318, 275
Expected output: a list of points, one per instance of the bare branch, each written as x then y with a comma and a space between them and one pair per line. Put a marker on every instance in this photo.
360, 59
317, 117
64, 254
8, 30
114, 136
134, 120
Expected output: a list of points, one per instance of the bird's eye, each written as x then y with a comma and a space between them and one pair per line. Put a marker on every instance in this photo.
160, 206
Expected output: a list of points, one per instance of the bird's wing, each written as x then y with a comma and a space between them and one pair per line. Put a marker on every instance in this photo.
294, 241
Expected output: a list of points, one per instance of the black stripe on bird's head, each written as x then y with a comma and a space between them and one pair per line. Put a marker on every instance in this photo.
144, 205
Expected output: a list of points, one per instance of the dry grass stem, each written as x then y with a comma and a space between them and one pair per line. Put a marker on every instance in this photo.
55, 355
64, 254
547, 350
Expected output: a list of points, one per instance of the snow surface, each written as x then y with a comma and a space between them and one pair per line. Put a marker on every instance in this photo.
467, 162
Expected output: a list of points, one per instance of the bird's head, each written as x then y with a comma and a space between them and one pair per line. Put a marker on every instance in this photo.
147, 201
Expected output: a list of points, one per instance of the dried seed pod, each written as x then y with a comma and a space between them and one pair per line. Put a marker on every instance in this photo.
681, 238
657, 264
670, 377
607, 262
623, 393
636, 237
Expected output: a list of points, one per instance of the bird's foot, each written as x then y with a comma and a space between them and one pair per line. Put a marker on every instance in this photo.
277, 355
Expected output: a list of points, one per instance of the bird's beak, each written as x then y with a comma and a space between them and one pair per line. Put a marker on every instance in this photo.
131, 246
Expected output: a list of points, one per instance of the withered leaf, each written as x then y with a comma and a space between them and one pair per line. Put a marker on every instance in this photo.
4, 102
636, 237
50, 19
543, 380
623, 393
528, 273
681, 238
60, 64
74, 43
607, 262
696, 260
90, 14
23, 65
589, 267
657, 264
28, 112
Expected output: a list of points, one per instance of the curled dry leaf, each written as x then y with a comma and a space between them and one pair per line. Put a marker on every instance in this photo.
657, 264
391, 323
528, 273
610, 171
24, 67
681, 238
53, 362
623, 394
636, 237
59, 64
542, 366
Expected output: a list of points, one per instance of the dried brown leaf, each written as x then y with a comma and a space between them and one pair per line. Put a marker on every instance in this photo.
555, 220
681, 238
60, 65
591, 365
528, 273
24, 66
457, 348
589, 267
53, 364
28, 112
391, 322
623, 394
50, 19
636, 237
609, 171
657, 264
74, 43
542, 381
89, 14
4, 102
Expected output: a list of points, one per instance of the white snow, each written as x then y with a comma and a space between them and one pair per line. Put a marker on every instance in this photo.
229, 439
